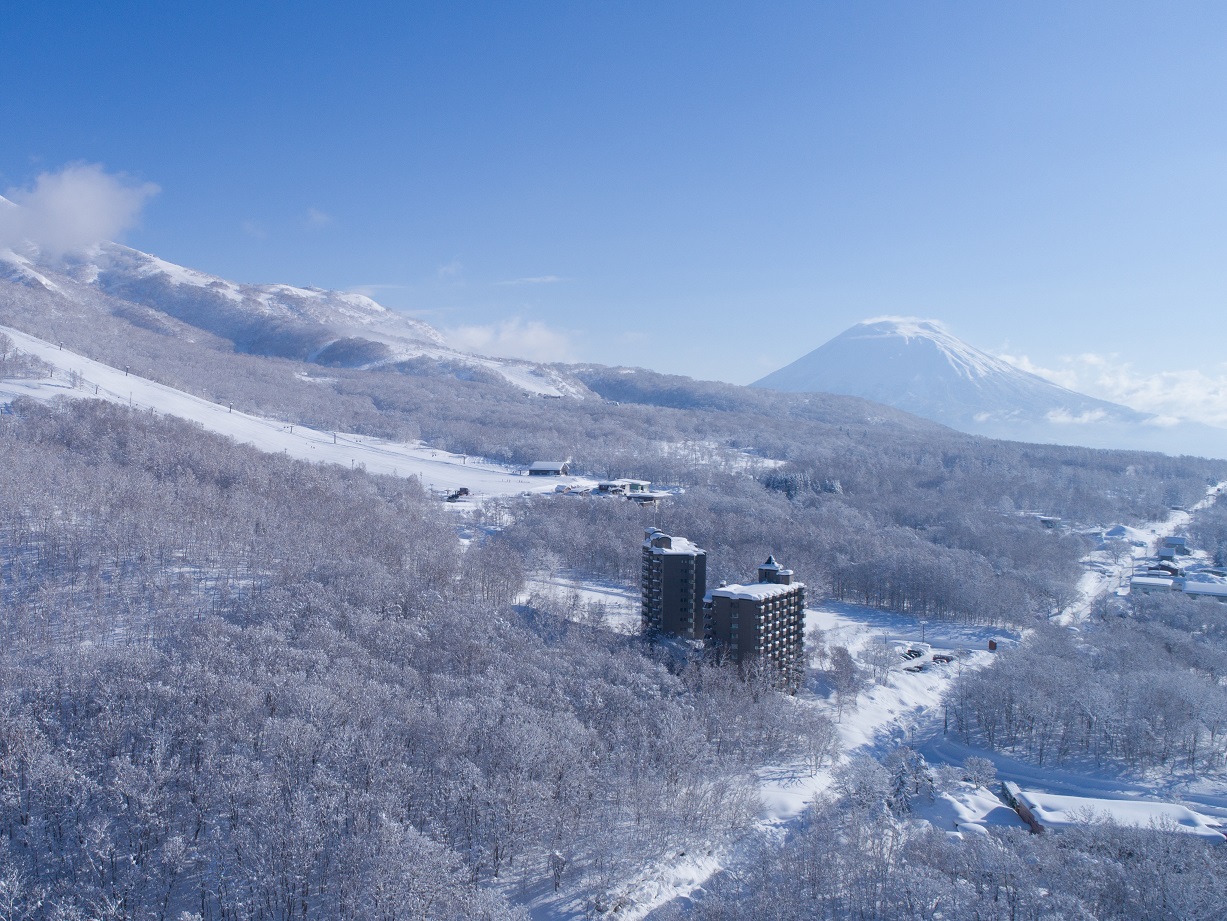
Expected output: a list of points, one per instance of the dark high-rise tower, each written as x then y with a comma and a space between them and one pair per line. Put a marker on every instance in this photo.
674, 583
763, 619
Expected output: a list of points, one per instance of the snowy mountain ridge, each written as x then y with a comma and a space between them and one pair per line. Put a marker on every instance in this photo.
326, 327
117, 261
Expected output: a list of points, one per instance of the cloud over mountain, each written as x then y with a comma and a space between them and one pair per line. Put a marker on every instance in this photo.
79, 206
1183, 394
514, 338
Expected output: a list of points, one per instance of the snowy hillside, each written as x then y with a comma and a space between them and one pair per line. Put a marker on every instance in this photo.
77, 377
918, 366
330, 328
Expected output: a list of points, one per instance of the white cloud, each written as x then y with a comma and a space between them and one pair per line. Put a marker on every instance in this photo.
514, 338
317, 218
1171, 395
532, 280
372, 290
452, 271
75, 208
255, 230
1065, 417
1066, 378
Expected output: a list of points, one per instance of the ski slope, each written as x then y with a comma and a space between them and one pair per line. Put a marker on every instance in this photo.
437, 470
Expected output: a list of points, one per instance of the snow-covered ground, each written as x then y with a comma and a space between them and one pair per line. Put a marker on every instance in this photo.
885, 715
970, 810
618, 604
437, 470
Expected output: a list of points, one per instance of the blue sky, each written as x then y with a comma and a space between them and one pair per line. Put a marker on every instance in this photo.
707, 188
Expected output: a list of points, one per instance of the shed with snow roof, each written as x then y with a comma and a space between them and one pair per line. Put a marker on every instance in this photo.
1215, 591
1148, 585
549, 468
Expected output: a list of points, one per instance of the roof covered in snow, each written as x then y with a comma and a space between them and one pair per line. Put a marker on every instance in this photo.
664, 544
756, 591
1205, 588
1151, 582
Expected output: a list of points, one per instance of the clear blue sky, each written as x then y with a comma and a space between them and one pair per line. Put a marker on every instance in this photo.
706, 188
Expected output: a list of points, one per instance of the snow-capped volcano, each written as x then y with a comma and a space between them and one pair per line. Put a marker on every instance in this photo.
920, 367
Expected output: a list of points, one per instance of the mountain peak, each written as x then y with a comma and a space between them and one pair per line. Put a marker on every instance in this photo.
917, 336
904, 326
919, 366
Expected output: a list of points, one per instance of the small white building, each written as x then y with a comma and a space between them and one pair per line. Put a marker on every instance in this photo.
1148, 585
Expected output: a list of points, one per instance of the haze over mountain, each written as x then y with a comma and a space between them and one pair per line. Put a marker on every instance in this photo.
918, 366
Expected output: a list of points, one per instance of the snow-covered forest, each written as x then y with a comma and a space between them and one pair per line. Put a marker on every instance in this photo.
236, 685
252, 687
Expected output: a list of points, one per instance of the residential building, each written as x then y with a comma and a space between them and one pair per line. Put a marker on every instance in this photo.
761, 620
674, 577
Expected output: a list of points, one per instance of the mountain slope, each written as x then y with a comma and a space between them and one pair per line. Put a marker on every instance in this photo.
918, 366
330, 328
